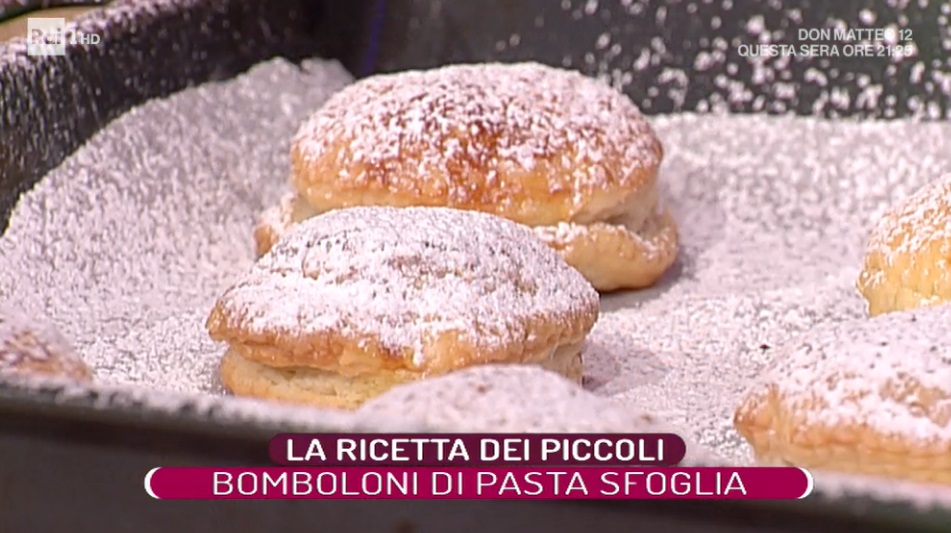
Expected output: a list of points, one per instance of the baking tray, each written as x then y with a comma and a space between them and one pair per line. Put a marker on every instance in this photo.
163, 46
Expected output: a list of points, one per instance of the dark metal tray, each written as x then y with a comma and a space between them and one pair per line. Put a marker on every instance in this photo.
70, 463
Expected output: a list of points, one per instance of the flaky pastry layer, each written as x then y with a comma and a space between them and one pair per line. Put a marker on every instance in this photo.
329, 389
349, 356
618, 255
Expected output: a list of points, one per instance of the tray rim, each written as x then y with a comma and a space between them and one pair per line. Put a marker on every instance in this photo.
198, 416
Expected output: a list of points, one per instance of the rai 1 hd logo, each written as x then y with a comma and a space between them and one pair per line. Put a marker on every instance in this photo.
49, 36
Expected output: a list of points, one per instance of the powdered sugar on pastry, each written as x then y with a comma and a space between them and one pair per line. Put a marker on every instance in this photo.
564, 233
516, 115
921, 219
403, 275
906, 263
890, 374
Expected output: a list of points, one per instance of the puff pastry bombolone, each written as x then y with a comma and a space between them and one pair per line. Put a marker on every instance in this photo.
868, 396
549, 148
355, 301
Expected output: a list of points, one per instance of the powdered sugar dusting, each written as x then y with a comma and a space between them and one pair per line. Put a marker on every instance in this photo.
867, 372
518, 112
561, 233
915, 223
686, 56
405, 275
127, 244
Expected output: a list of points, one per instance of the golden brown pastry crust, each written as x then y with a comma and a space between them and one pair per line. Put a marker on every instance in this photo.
34, 347
361, 291
907, 259
858, 397
531, 143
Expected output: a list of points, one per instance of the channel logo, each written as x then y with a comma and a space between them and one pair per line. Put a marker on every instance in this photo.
49, 36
